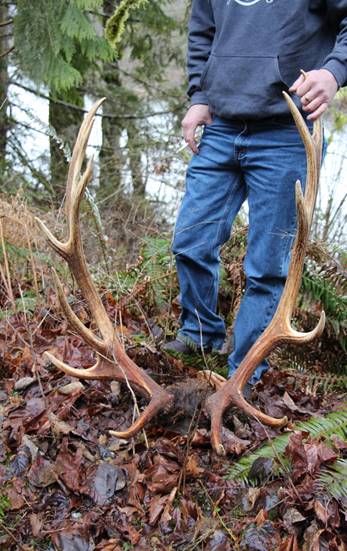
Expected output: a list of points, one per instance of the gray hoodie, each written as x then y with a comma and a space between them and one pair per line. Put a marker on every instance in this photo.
243, 53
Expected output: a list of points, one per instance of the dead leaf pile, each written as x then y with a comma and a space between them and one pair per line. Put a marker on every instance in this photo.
68, 485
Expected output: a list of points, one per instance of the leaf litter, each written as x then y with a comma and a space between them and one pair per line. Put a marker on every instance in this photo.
68, 485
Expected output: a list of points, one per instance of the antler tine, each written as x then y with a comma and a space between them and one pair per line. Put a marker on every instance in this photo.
78, 155
103, 369
93, 372
76, 324
72, 249
285, 308
279, 330
66, 249
75, 183
150, 411
313, 146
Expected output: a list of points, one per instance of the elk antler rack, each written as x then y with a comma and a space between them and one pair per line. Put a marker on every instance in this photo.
112, 361
279, 330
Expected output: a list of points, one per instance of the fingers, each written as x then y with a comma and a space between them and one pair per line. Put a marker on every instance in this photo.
189, 136
318, 112
304, 88
209, 119
297, 83
197, 115
316, 89
313, 104
189, 130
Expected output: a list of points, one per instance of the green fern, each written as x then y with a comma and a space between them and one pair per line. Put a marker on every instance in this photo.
327, 284
334, 479
153, 275
314, 383
334, 423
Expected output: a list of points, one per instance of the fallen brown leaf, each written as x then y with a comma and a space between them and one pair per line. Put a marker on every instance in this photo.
42, 473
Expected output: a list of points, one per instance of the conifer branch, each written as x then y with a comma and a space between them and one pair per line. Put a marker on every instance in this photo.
5, 23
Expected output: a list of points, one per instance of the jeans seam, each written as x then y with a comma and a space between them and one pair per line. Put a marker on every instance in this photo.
237, 137
231, 196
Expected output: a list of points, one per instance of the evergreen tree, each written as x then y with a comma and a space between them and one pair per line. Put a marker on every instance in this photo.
61, 46
145, 34
56, 42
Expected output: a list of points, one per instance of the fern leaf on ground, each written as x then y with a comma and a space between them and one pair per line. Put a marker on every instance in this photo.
315, 383
334, 423
334, 480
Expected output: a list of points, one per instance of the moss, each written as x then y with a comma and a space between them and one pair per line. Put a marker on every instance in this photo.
115, 26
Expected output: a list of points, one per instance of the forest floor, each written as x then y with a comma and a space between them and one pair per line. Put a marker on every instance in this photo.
68, 485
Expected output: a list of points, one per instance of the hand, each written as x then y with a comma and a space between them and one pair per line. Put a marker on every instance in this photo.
316, 91
196, 116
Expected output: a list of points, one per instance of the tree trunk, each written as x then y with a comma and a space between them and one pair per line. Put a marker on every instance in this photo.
135, 161
111, 161
4, 122
65, 122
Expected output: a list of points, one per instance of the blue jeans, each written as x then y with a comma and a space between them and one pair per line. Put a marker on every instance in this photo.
237, 160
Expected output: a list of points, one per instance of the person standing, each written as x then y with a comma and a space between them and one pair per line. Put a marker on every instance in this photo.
241, 55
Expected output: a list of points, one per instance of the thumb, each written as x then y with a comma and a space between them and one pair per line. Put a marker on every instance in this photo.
189, 136
299, 81
209, 119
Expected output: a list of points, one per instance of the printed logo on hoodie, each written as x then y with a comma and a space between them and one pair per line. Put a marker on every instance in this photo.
249, 2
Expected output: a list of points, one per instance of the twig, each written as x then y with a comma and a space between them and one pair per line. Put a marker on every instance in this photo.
81, 110
4, 54
5, 23
215, 511
32, 262
190, 435
201, 341
3, 103
200, 540
15, 539
278, 457
6, 276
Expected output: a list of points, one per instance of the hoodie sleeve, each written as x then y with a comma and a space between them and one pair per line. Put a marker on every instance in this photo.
201, 34
336, 61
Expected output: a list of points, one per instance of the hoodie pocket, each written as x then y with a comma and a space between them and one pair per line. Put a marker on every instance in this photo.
289, 65
244, 86
204, 72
